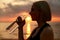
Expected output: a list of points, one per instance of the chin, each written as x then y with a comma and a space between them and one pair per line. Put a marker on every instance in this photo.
33, 19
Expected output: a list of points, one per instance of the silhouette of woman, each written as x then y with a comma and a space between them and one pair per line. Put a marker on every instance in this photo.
41, 13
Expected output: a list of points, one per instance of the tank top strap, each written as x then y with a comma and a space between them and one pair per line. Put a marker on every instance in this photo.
42, 28
37, 36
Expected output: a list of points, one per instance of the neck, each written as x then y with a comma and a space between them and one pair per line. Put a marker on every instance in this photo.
40, 23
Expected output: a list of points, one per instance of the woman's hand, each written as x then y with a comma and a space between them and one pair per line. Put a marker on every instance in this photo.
20, 22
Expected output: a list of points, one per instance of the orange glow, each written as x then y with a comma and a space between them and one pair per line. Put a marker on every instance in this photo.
28, 20
24, 14
7, 19
55, 19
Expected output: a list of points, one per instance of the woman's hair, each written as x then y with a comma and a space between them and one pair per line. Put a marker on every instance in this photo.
43, 8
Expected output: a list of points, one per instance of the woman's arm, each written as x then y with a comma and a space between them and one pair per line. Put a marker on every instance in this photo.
20, 28
20, 33
47, 34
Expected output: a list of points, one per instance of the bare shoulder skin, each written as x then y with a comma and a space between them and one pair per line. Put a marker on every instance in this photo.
47, 34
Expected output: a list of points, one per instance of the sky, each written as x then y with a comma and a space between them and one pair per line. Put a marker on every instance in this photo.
11, 9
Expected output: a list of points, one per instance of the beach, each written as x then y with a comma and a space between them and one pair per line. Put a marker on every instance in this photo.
4, 35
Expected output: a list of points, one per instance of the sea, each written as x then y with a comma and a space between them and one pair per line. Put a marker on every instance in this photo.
7, 34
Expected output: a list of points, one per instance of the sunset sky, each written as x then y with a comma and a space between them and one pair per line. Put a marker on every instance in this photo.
11, 9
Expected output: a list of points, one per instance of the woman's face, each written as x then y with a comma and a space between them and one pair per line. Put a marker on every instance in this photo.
34, 13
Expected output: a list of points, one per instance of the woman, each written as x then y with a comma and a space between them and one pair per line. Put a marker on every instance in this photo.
41, 13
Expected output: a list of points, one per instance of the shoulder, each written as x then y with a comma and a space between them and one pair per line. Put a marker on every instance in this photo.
47, 34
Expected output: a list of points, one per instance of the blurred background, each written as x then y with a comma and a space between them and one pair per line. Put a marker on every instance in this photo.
11, 9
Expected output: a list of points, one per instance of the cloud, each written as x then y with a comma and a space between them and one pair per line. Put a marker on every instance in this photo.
17, 6
14, 9
55, 7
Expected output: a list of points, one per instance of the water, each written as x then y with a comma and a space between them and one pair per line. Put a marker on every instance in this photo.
5, 34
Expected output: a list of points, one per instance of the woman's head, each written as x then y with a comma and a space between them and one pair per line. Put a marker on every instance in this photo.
40, 11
